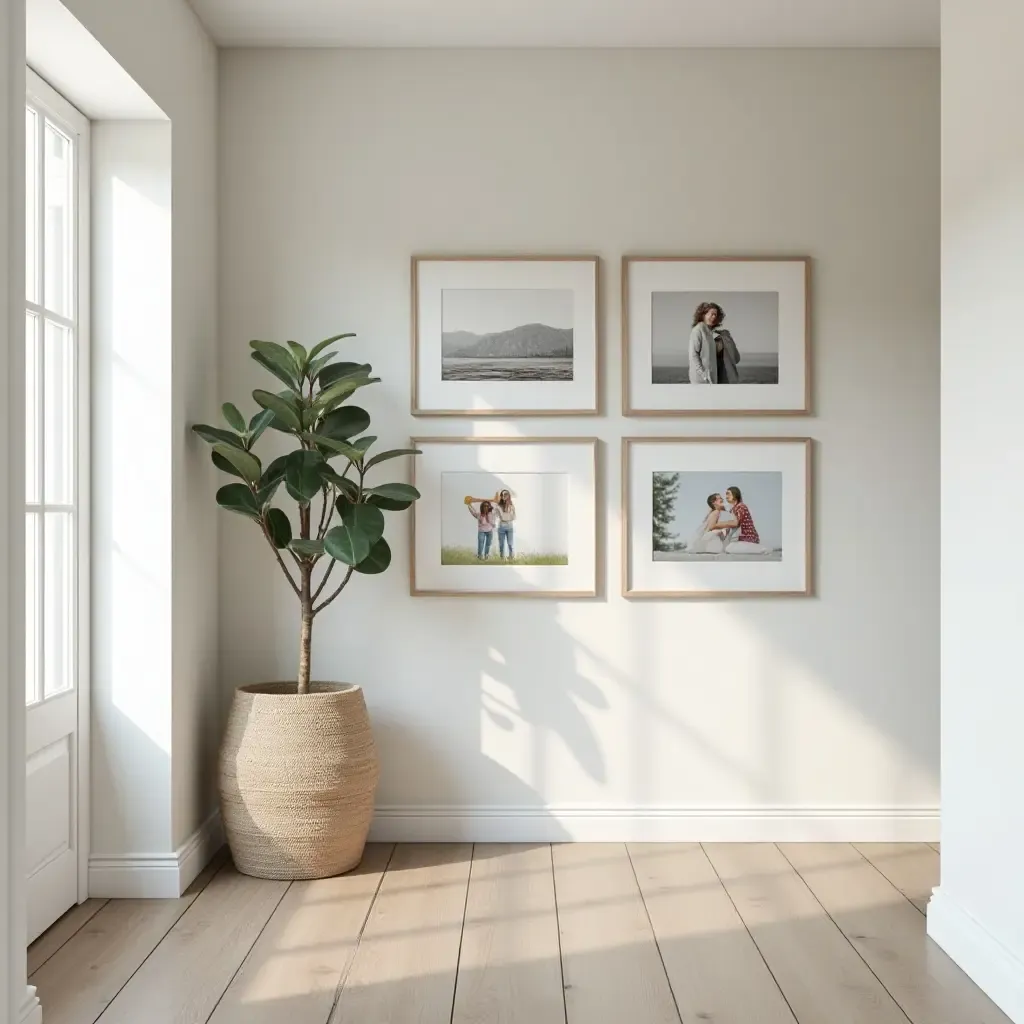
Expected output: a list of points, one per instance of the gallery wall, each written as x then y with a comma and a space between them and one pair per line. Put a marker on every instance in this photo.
501, 718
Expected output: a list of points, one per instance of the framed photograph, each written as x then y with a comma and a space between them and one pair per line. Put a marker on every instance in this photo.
505, 336
716, 516
505, 516
691, 325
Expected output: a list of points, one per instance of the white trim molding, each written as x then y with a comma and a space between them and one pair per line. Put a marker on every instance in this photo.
655, 824
156, 875
978, 953
31, 1010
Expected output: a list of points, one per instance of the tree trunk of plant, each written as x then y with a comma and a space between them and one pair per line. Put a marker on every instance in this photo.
306, 633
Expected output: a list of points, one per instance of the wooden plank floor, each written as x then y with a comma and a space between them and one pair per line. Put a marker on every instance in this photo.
569, 934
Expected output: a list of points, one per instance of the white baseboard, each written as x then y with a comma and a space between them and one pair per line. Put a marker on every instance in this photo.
978, 953
156, 875
31, 1011
655, 824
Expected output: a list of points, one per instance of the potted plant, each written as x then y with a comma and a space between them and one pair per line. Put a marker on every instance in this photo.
298, 765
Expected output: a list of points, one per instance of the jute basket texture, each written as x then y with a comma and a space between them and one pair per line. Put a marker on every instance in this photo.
297, 780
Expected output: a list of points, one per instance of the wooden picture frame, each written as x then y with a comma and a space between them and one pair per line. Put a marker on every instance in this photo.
563, 506
719, 573
496, 368
659, 294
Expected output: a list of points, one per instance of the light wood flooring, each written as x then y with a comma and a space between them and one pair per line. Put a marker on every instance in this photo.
565, 934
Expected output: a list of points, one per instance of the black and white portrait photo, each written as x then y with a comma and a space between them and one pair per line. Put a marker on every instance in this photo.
738, 321
507, 334
715, 338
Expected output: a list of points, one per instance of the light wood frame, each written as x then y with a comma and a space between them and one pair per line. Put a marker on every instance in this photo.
627, 408
594, 443
626, 516
509, 413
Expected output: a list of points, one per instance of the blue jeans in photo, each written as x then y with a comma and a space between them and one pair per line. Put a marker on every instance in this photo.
506, 535
483, 543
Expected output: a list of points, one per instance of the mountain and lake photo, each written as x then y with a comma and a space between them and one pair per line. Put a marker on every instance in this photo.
507, 334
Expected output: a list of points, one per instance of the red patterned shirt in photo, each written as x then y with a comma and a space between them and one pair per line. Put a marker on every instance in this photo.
746, 523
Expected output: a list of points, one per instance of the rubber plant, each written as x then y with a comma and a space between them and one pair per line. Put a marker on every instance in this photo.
340, 515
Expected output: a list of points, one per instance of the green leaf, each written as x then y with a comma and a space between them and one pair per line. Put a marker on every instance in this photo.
330, 398
235, 420
272, 477
361, 527
307, 548
217, 435
337, 447
344, 423
335, 372
280, 408
394, 453
258, 424
321, 345
299, 355
316, 365
248, 466
377, 560
282, 375
223, 465
238, 498
388, 504
280, 357
349, 492
364, 443
394, 492
302, 475
331, 476
279, 527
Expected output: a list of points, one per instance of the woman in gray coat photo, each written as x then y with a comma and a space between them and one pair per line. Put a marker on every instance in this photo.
714, 356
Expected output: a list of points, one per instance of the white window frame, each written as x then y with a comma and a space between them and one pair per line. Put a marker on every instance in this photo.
45, 100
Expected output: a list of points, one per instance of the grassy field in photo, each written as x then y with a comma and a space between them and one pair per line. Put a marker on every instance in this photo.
467, 556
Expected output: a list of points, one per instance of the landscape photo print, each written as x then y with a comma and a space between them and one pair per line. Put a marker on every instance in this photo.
512, 516
505, 335
715, 335
716, 516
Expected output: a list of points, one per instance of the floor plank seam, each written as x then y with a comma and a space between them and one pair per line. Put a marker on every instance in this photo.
462, 934
849, 941
345, 974
654, 934
156, 946
68, 939
760, 952
558, 930
860, 853
248, 952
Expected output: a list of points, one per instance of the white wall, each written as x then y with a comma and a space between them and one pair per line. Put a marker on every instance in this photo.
337, 166
975, 914
16, 1002
132, 495
163, 47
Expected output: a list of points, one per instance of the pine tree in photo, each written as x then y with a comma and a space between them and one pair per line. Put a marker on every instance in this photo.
666, 491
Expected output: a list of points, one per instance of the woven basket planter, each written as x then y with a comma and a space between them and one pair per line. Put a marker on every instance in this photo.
297, 780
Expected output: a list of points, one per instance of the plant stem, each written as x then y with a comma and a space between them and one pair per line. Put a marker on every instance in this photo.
344, 583
306, 632
306, 601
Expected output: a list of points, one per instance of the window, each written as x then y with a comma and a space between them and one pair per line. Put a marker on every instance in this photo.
56, 392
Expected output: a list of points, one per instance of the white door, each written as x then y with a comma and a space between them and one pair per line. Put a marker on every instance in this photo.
56, 504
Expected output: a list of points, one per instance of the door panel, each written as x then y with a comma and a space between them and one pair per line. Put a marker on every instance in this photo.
56, 503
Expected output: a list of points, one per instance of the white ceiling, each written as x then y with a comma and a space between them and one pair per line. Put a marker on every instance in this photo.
571, 23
